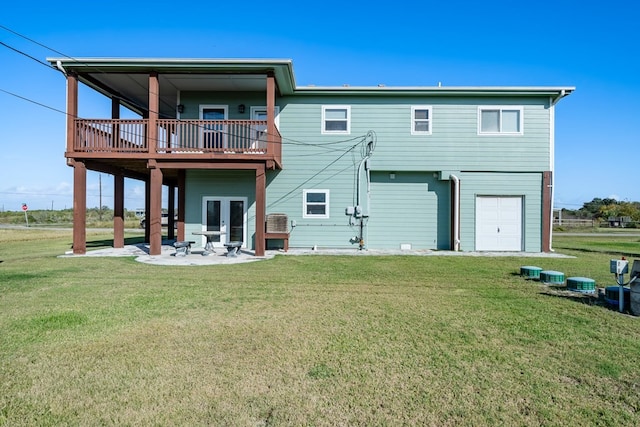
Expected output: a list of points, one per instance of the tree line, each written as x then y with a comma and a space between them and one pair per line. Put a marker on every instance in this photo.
604, 210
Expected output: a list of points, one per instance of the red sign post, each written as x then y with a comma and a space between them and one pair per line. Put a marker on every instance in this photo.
25, 208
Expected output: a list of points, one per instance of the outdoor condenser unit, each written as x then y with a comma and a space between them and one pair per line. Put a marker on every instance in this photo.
277, 223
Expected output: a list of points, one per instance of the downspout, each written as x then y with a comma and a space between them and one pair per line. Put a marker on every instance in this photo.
552, 160
456, 212
60, 67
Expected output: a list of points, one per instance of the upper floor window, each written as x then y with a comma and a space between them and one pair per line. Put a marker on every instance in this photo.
420, 120
500, 120
315, 204
336, 119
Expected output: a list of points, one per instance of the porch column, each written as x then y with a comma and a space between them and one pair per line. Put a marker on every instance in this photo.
261, 200
154, 108
118, 211
147, 208
171, 211
182, 202
79, 208
72, 109
546, 211
154, 216
271, 113
115, 114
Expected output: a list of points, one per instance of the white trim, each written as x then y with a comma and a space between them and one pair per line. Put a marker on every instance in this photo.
224, 209
211, 107
483, 231
178, 96
254, 108
501, 108
223, 130
429, 120
304, 203
552, 135
336, 132
552, 160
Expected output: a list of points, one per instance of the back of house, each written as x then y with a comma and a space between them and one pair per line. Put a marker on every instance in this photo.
238, 143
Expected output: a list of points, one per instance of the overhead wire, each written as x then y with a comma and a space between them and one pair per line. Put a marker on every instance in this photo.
131, 133
289, 194
143, 107
283, 139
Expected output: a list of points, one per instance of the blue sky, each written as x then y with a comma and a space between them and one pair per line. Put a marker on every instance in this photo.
591, 45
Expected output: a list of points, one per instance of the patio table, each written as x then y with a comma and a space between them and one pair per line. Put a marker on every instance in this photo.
208, 247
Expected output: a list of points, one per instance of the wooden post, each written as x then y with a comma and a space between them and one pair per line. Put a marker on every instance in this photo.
118, 211
261, 200
115, 114
79, 208
182, 202
154, 108
546, 211
72, 110
154, 217
271, 114
147, 209
171, 211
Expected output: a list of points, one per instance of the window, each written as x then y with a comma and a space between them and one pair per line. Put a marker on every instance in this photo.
315, 204
420, 120
500, 120
336, 119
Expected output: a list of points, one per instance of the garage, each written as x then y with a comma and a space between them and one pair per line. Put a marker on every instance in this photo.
499, 223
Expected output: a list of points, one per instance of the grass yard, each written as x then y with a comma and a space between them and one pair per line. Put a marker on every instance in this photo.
310, 340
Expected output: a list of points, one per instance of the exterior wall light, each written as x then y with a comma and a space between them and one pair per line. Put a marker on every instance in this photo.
180, 108
241, 108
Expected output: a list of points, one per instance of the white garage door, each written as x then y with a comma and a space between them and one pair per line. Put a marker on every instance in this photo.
499, 223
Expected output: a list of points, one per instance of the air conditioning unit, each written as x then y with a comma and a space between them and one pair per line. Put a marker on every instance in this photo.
277, 223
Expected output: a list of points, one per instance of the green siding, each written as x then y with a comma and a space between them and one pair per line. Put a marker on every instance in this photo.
321, 171
412, 208
527, 185
453, 144
201, 183
193, 100
415, 208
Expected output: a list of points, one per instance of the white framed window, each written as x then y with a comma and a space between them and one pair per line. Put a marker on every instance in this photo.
336, 119
500, 120
315, 203
421, 120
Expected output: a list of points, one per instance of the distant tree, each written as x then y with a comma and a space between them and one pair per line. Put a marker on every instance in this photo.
630, 209
608, 211
598, 208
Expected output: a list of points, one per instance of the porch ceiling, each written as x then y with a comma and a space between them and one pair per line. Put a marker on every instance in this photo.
128, 78
133, 88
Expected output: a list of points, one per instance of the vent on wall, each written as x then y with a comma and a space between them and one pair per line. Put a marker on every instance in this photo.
277, 223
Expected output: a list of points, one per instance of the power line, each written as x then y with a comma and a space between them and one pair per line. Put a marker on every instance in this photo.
291, 141
33, 102
33, 41
26, 54
245, 138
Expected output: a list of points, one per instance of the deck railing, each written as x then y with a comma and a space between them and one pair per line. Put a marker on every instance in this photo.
124, 136
225, 136
176, 136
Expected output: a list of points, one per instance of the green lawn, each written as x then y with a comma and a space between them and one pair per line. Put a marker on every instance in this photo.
310, 340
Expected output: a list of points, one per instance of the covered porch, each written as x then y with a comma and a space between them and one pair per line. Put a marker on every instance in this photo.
160, 147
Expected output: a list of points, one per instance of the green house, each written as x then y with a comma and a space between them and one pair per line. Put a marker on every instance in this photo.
252, 157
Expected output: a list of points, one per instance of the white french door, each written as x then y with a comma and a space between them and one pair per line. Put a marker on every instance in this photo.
228, 215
